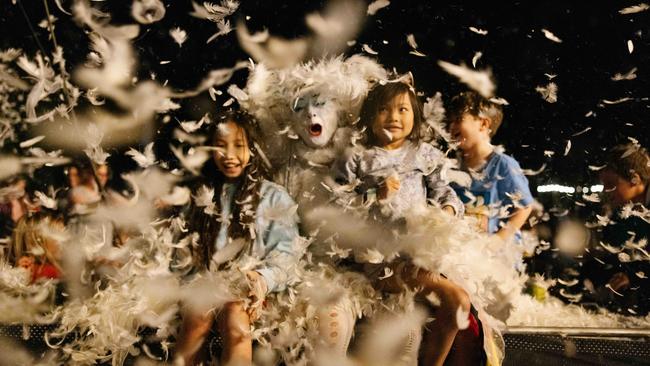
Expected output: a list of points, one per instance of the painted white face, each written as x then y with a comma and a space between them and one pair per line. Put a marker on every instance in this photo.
316, 119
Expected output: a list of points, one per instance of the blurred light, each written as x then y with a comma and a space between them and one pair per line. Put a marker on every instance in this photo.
555, 188
572, 237
597, 188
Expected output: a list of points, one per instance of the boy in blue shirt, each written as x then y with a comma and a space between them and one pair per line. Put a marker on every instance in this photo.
498, 194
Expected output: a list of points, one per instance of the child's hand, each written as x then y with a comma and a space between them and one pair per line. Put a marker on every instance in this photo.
257, 293
388, 188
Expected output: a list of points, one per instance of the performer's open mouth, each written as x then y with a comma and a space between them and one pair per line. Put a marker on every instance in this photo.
315, 129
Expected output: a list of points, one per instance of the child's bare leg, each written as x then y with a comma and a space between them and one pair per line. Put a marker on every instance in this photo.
439, 337
467, 349
234, 327
440, 334
336, 324
195, 328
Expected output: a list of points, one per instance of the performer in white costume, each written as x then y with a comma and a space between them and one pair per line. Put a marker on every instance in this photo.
307, 113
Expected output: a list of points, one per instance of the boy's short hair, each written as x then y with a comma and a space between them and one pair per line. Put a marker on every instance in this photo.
628, 159
478, 106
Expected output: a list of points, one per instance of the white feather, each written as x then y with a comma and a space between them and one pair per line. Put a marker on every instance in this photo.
145, 159
410, 39
193, 160
500, 101
548, 92
179, 196
549, 35
228, 252
45, 201
417, 53
340, 22
573, 282
482, 32
179, 36
369, 50
634, 9
237, 93
477, 56
596, 168
567, 148
531, 172
31, 142
630, 75
480, 81
192, 126
374, 6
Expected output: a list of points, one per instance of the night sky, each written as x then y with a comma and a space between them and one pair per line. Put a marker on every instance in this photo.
594, 48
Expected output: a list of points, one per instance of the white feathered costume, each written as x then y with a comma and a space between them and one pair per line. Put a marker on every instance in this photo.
306, 113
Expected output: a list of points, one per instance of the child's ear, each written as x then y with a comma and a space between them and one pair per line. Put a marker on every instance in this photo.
485, 124
636, 179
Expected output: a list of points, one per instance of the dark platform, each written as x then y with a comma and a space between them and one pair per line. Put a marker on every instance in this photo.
532, 346
527, 346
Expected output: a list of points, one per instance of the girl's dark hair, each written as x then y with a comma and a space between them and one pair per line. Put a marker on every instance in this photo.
245, 200
381, 95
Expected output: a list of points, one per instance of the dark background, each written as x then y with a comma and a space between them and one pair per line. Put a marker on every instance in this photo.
594, 48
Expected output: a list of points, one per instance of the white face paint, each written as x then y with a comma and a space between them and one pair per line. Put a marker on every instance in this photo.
316, 119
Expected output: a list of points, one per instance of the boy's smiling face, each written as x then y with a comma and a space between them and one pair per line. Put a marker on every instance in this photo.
469, 131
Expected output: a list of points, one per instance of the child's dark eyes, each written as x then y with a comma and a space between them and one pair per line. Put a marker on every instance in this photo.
403, 109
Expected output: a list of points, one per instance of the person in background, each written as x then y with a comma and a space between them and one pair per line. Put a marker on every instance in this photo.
616, 270
15, 202
35, 246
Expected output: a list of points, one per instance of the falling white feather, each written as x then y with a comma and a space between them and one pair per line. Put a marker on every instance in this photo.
374, 6
549, 35
179, 35
480, 81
